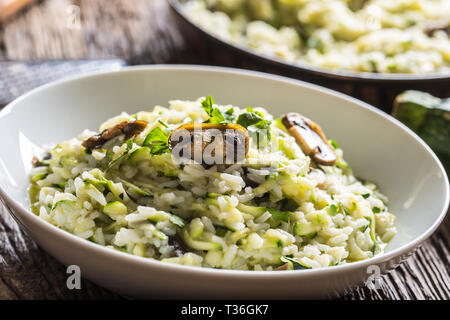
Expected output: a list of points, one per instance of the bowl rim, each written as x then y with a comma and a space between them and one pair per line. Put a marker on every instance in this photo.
56, 232
344, 75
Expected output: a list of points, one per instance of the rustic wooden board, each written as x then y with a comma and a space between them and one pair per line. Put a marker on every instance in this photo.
142, 31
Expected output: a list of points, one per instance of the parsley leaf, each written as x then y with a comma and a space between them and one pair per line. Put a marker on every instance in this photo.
163, 123
253, 120
333, 209
129, 143
215, 115
207, 105
229, 115
334, 144
248, 119
158, 141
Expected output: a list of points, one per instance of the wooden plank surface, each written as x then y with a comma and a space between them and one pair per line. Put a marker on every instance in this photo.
142, 31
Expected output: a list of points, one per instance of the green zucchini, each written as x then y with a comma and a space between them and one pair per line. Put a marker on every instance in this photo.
114, 209
303, 229
222, 230
62, 202
135, 188
277, 218
372, 228
196, 228
254, 211
429, 117
294, 264
176, 220
158, 216
39, 176
67, 161
199, 245
139, 155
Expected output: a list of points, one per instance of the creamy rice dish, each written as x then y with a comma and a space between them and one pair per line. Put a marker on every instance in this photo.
288, 201
401, 36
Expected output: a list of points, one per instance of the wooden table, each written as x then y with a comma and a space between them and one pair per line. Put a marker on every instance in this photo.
141, 31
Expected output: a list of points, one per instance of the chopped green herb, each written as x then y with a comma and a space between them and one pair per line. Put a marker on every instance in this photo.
376, 210
334, 144
129, 143
109, 154
163, 123
229, 115
248, 119
344, 209
280, 244
207, 105
254, 122
158, 141
215, 115
211, 195
333, 209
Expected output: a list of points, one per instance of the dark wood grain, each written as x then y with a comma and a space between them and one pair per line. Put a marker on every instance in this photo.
142, 31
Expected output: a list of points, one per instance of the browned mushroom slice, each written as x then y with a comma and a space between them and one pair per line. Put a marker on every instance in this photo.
437, 25
129, 129
201, 141
310, 138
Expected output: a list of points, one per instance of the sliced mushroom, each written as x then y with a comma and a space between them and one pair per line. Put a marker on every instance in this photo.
310, 138
233, 143
437, 25
129, 129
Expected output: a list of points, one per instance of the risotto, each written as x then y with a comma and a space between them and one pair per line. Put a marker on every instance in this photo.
290, 201
402, 36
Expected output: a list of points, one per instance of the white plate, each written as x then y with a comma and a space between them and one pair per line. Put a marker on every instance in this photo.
378, 147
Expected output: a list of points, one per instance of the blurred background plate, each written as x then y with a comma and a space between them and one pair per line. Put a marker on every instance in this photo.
377, 89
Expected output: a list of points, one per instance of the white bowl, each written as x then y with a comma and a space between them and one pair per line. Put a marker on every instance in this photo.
378, 147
